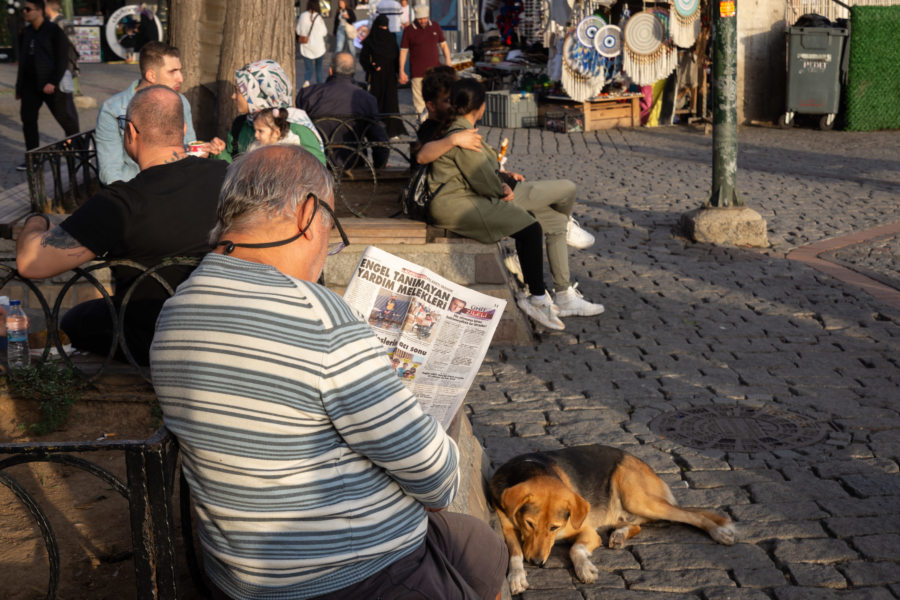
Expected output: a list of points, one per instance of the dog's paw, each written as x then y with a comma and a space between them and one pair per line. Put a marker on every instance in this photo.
585, 570
518, 582
724, 534
618, 538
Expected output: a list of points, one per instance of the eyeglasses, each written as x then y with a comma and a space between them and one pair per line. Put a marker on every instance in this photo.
123, 122
336, 246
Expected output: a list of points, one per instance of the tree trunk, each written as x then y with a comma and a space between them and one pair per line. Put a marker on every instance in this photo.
254, 30
216, 38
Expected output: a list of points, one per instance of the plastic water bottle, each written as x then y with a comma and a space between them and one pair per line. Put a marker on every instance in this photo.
17, 351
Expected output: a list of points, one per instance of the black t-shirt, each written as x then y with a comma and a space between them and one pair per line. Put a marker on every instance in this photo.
165, 211
427, 132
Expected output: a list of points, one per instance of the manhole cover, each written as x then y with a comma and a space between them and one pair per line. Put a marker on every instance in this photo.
738, 428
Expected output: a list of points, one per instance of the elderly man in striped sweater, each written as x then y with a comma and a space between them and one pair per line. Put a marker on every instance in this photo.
315, 472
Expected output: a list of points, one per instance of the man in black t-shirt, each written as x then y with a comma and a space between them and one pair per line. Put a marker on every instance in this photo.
166, 211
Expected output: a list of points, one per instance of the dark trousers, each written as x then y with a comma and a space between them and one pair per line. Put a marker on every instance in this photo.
90, 327
61, 105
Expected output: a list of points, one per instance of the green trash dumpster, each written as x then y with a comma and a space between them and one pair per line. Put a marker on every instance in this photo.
815, 68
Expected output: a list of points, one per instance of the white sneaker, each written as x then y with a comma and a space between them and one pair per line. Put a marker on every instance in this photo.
572, 304
578, 237
540, 311
511, 262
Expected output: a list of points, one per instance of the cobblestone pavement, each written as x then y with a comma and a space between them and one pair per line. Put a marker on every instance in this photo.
692, 325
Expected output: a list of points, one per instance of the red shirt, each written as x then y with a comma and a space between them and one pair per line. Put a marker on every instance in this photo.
422, 43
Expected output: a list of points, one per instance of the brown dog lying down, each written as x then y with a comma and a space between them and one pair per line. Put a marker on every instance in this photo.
568, 494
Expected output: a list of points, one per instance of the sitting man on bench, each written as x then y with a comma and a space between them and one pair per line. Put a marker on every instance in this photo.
164, 212
315, 472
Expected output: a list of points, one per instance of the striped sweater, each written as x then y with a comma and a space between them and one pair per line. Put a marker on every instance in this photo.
310, 464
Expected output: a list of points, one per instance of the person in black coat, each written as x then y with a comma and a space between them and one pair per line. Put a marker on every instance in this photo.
43, 59
380, 60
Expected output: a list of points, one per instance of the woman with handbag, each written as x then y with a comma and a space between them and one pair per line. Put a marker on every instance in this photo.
344, 31
311, 34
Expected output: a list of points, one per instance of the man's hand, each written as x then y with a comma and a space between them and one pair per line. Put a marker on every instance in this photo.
514, 175
49, 88
508, 194
403, 78
467, 139
214, 146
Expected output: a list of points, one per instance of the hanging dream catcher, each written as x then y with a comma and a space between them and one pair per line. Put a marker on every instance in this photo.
583, 72
684, 24
587, 30
608, 41
647, 55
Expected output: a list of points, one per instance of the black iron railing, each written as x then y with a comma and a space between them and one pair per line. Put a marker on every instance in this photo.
70, 168
117, 310
151, 466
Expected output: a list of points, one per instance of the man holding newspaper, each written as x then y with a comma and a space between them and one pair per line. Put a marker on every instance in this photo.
298, 440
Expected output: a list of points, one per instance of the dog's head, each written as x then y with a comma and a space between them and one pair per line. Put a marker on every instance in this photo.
543, 509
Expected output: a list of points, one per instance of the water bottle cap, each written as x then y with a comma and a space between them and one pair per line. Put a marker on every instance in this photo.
15, 302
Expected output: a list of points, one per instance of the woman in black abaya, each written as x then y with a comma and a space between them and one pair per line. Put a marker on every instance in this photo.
380, 59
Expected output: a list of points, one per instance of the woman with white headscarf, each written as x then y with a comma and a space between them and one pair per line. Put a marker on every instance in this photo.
260, 85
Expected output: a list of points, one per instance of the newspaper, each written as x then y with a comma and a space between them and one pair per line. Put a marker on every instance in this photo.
436, 332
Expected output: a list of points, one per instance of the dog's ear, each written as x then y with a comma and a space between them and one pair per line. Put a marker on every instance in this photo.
514, 497
578, 510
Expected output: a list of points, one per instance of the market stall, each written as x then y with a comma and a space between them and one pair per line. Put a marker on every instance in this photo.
596, 64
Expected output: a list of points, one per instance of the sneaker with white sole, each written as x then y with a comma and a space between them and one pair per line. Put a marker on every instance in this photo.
577, 237
540, 311
572, 304
511, 262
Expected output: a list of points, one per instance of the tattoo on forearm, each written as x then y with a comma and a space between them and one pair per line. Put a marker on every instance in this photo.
59, 238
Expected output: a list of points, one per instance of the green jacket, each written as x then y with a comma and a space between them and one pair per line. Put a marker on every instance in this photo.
308, 140
469, 203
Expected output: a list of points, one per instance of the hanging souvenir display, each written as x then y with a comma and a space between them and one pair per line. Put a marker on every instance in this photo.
588, 28
583, 72
648, 57
684, 23
608, 41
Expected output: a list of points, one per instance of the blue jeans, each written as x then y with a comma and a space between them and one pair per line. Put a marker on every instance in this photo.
341, 41
308, 69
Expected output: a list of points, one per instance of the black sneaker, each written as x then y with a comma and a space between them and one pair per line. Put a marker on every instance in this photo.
21, 167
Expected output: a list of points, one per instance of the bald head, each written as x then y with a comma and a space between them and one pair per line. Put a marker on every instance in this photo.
342, 64
158, 115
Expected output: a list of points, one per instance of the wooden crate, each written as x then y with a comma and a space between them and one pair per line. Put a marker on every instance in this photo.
612, 111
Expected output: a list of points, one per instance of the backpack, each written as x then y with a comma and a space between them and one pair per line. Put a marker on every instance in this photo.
416, 195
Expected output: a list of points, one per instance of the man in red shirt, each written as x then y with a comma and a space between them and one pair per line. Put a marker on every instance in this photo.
421, 41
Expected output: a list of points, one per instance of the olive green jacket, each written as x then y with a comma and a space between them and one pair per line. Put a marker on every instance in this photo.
469, 201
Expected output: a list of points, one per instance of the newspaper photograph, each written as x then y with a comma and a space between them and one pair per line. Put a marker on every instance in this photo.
435, 332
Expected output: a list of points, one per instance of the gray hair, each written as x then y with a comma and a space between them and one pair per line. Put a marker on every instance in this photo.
343, 63
268, 184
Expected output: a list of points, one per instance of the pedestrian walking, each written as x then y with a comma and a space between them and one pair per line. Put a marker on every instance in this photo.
344, 31
311, 34
380, 60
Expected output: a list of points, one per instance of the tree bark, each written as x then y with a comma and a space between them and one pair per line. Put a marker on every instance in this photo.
216, 38
254, 30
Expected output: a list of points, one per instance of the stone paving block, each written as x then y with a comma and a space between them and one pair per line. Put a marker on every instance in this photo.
878, 547
591, 593
871, 573
833, 469
775, 512
602, 419
734, 594
813, 575
866, 593
765, 493
753, 532
805, 593
673, 557
529, 429
577, 435
769, 577
551, 595
660, 462
873, 484
500, 450
547, 579
822, 551
507, 415
681, 581
716, 479
846, 527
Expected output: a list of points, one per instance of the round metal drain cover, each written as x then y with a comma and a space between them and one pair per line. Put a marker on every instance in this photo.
738, 428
